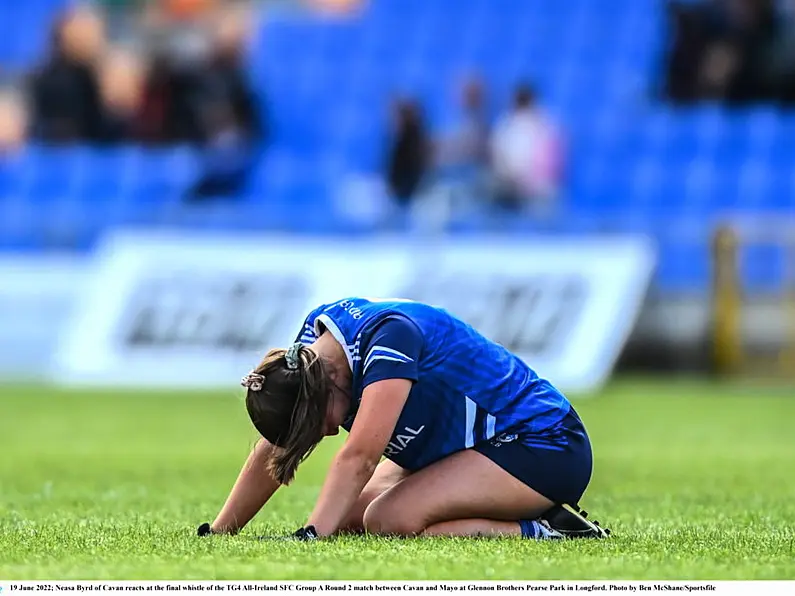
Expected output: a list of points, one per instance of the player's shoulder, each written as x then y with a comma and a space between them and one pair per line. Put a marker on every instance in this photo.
390, 324
358, 317
343, 318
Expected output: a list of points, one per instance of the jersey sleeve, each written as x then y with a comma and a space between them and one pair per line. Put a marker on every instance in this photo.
393, 351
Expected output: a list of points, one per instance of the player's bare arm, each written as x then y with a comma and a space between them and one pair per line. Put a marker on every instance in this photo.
355, 463
254, 486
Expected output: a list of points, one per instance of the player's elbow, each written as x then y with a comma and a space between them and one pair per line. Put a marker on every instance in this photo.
360, 462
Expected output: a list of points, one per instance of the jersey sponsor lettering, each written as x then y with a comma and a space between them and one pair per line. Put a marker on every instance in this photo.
401, 440
349, 306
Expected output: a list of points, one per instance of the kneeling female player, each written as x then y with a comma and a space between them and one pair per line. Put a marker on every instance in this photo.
476, 444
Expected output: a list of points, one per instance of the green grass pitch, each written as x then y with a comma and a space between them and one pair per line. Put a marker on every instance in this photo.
696, 479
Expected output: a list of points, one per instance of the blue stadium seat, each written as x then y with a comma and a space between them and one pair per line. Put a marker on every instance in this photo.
107, 175
764, 267
685, 266
54, 174
25, 32
157, 179
12, 176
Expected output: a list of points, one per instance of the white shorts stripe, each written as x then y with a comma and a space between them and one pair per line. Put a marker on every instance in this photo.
472, 409
491, 422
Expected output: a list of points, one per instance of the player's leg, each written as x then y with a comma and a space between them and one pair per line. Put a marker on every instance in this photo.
484, 491
465, 494
486, 528
566, 520
386, 475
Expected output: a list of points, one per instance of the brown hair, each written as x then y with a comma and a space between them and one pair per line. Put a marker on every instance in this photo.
287, 400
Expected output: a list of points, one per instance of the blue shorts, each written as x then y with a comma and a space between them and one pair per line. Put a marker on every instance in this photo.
556, 462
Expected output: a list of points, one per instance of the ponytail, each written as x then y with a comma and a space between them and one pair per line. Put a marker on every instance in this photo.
287, 399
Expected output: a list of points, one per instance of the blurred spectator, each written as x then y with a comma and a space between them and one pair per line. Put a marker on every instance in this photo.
464, 147
781, 64
160, 111
180, 29
335, 7
66, 100
230, 126
13, 123
689, 41
408, 155
188, 9
176, 36
121, 76
728, 50
226, 101
461, 177
526, 155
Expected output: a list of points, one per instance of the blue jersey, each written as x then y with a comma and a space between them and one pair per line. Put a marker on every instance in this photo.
466, 388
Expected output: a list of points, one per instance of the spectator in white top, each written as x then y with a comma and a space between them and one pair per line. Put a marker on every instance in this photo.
526, 156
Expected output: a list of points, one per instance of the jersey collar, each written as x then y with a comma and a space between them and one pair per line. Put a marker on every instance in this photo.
331, 326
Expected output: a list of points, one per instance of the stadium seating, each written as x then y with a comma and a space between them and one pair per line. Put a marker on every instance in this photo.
25, 31
635, 165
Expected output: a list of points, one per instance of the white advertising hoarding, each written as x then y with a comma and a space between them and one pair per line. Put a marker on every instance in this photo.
177, 310
37, 298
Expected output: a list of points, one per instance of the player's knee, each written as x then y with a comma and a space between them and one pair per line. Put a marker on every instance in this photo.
354, 522
383, 517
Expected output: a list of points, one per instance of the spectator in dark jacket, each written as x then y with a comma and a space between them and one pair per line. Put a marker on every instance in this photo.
725, 50
409, 153
66, 101
228, 114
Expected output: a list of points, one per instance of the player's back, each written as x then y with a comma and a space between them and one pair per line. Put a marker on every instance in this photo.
488, 374
468, 388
